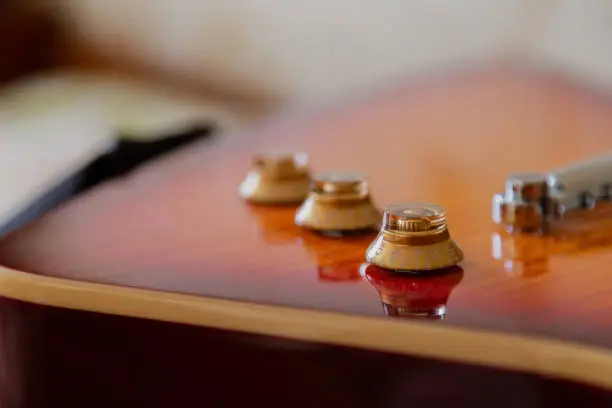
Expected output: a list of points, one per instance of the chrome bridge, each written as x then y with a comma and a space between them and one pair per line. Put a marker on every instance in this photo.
536, 201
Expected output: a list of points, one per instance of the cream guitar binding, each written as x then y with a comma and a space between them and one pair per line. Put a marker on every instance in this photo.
535, 201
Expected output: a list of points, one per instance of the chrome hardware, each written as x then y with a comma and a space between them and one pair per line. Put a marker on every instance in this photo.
532, 201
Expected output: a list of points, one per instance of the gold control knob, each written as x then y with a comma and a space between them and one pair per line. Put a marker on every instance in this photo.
338, 204
414, 237
277, 178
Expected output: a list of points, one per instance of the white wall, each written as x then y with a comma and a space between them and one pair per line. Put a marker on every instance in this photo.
313, 49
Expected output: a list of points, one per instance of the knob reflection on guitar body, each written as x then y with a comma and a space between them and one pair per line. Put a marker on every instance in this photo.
281, 178
525, 255
413, 296
339, 272
414, 237
338, 204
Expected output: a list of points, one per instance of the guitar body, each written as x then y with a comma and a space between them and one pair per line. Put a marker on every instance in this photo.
67, 357
163, 286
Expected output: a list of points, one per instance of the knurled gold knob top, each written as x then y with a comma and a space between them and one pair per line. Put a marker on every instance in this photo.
277, 178
282, 165
414, 217
338, 203
340, 185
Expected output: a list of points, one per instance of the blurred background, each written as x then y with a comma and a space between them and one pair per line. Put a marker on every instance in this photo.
154, 63
296, 51
271, 53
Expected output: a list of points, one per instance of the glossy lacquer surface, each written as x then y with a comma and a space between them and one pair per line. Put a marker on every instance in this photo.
178, 225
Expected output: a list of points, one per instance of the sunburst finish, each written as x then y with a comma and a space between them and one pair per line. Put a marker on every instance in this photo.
179, 225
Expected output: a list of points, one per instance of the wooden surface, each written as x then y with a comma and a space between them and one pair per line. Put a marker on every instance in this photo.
179, 226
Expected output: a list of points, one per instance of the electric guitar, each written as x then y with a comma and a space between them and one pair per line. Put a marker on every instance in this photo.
186, 276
